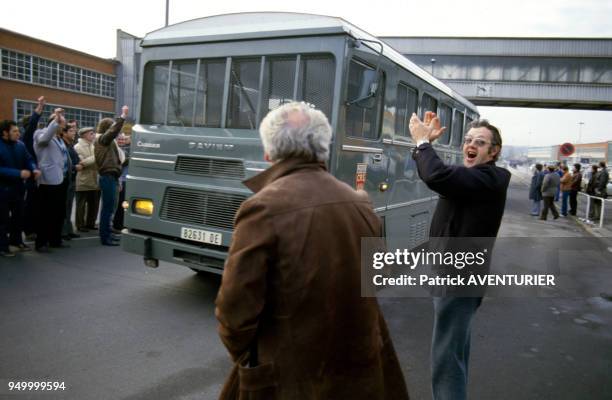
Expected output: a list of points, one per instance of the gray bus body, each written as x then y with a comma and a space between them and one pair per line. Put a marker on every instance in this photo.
206, 84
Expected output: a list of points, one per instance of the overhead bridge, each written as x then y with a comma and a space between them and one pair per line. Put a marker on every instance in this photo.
567, 73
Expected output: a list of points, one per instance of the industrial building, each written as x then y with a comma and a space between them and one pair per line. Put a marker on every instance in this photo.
84, 85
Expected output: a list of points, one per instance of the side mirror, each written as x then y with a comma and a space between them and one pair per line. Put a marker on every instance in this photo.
370, 83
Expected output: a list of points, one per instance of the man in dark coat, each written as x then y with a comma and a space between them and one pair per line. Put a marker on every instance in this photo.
471, 204
16, 165
290, 307
535, 193
576, 186
549, 189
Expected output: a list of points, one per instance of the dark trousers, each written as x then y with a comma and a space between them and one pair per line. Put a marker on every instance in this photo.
11, 221
87, 204
109, 186
573, 201
118, 218
549, 203
450, 346
29, 213
51, 206
67, 227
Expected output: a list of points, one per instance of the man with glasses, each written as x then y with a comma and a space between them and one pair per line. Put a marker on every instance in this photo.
471, 204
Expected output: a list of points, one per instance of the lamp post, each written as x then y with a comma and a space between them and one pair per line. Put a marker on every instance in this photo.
579, 140
167, 10
433, 61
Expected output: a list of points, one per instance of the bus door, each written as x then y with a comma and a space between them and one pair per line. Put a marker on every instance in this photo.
362, 161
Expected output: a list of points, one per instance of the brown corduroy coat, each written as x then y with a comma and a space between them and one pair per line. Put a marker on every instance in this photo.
291, 287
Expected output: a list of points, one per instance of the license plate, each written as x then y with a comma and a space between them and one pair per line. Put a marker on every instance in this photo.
199, 235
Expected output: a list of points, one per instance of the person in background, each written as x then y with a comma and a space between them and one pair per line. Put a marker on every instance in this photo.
535, 194
123, 141
549, 188
30, 124
16, 165
108, 161
566, 188
558, 171
590, 190
576, 186
601, 189
55, 165
87, 189
68, 136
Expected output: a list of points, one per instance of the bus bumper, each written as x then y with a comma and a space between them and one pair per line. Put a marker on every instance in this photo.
155, 249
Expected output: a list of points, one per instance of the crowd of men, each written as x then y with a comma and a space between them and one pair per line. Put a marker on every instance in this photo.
45, 167
555, 182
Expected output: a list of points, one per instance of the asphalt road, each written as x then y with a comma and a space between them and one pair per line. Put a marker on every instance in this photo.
110, 328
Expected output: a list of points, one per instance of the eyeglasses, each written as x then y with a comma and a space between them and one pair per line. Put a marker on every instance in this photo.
477, 142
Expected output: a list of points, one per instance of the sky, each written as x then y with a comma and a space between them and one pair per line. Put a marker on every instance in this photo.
90, 26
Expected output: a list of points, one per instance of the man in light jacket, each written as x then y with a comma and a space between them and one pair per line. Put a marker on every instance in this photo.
87, 189
549, 189
290, 308
55, 164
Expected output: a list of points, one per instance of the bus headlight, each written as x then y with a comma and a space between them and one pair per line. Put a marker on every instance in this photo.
143, 207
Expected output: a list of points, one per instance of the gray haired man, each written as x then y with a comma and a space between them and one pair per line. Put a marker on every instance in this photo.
291, 282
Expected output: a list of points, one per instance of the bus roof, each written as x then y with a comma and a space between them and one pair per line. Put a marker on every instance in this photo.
262, 25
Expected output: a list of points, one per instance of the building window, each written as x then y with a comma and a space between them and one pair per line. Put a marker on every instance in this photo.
69, 77
16, 66
108, 86
82, 116
44, 72
90, 82
41, 71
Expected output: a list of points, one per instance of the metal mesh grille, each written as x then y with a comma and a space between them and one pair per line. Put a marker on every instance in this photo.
203, 208
279, 78
316, 83
210, 167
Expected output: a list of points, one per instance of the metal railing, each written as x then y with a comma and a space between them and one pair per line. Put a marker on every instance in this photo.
602, 212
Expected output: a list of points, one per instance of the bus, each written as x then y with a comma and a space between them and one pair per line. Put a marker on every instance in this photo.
206, 85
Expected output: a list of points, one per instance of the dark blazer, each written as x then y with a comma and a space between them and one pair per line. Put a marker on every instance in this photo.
292, 288
472, 199
13, 159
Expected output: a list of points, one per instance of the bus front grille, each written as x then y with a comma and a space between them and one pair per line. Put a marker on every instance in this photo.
213, 167
199, 207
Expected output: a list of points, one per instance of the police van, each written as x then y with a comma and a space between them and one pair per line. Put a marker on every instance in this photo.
206, 85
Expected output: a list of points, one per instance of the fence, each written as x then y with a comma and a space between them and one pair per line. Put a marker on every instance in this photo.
586, 203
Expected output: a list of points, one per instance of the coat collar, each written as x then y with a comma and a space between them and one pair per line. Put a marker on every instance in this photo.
280, 169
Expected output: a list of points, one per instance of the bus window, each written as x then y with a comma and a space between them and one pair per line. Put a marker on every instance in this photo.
182, 93
428, 103
406, 105
316, 83
279, 78
209, 93
244, 90
468, 121
446, 119
362, 122
154, 93
457, 129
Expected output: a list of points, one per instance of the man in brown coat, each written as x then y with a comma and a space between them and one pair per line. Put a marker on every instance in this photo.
289, 306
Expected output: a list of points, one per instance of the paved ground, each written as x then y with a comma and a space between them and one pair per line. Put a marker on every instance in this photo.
111, 328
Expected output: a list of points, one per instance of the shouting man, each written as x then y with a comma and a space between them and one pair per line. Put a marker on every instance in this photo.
471, 204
